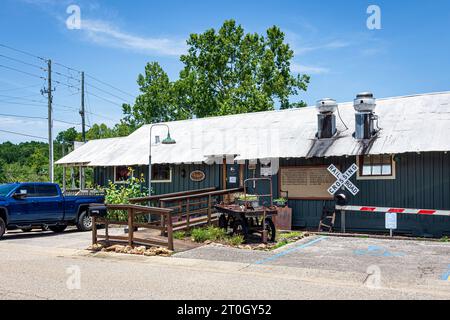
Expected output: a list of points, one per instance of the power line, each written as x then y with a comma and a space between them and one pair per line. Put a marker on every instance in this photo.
23, 52
21, 88
37, 118
23, 134
20, 116
111, 86
107, 92
68, 68
104, 99
23, 62
67, 85
24, 72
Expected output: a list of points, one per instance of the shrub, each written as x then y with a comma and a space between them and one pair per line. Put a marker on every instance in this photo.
179, 235
236, 240
209, 233
122, 194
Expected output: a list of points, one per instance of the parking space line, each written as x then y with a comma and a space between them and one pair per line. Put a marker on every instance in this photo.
281, 254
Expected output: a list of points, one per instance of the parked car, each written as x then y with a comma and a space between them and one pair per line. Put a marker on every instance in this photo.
43, 205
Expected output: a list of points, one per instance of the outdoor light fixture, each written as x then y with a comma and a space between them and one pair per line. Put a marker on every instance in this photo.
167, 140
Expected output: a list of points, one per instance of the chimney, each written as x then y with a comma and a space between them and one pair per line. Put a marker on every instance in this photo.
326, 118
365, 117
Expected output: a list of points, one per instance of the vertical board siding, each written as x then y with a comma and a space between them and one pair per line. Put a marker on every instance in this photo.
422, 181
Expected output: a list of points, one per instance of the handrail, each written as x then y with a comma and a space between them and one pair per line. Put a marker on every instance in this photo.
201, 195
140, 209
132, 211
175, 194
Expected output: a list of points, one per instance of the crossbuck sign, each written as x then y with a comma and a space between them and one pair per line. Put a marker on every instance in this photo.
343, 179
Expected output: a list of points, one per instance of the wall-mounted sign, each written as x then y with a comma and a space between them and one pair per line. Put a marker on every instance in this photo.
197, 176
343, 179
306, 182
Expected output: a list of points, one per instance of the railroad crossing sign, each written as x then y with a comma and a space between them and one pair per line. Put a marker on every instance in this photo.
343, 179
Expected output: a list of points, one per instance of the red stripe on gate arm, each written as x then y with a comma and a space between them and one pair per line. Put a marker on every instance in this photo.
368, 209
426, 212
394, 210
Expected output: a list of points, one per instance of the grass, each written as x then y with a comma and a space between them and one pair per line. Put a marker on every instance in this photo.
285, 238
215, 234
445, 239
235, 240
180, 235
208, 234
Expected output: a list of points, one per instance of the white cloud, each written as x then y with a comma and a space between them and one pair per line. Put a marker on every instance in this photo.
299, 68
104, 33
335, 44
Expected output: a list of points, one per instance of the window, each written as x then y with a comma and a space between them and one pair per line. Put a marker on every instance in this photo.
161, 173
45, 191
27, 189
122, 174
376, 167
5, 189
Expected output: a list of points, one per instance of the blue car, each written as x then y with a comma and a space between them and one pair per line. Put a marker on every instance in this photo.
43, 205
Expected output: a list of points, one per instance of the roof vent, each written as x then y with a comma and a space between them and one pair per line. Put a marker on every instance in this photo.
326, 118
365, 117
326, 105
365, 102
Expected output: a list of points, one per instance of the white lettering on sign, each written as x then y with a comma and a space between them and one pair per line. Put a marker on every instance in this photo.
391, 221
343, 179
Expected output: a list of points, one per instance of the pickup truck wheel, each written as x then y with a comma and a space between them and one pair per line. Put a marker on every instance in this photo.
84, 222
57, 229
2, 227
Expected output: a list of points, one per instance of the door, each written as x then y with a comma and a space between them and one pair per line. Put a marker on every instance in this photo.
46, 204
19, 209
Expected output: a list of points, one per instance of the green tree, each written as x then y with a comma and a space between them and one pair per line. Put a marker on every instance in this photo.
225, 72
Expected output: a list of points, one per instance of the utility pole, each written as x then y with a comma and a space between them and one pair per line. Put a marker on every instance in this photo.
49, 91
82, 111
83, 128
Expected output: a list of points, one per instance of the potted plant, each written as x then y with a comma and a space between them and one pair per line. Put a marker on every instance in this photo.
280, 202
248, 199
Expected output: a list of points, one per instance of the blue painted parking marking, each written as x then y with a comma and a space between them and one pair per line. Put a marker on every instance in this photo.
283, 253
446, 275
376, 251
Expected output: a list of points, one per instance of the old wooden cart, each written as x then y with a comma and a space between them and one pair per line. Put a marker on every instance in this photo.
249, 217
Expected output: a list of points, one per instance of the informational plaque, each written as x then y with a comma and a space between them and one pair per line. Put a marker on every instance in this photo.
306, 182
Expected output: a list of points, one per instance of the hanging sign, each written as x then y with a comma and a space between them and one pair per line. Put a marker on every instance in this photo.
343, 179
197, 176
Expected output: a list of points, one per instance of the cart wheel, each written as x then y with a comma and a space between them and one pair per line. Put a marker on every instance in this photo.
271, 231
240, 228
223, 223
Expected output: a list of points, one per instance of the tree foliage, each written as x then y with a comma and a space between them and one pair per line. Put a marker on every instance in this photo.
224, 72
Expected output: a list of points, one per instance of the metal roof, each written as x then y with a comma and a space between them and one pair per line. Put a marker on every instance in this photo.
419, 123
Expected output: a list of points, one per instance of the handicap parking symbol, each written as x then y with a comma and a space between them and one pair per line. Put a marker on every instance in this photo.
376, 251
446, 275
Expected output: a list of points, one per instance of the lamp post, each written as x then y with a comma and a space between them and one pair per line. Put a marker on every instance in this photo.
167, 140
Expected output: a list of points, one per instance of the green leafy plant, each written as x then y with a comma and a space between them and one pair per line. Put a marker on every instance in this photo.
210, 233
235, 240
180, 235
115, 194
280, 201
248, 197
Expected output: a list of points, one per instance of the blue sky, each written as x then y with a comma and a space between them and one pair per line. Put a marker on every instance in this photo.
331, 41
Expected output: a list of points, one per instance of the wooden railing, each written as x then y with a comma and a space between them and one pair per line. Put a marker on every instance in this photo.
156, 198
134, 211
194, 210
